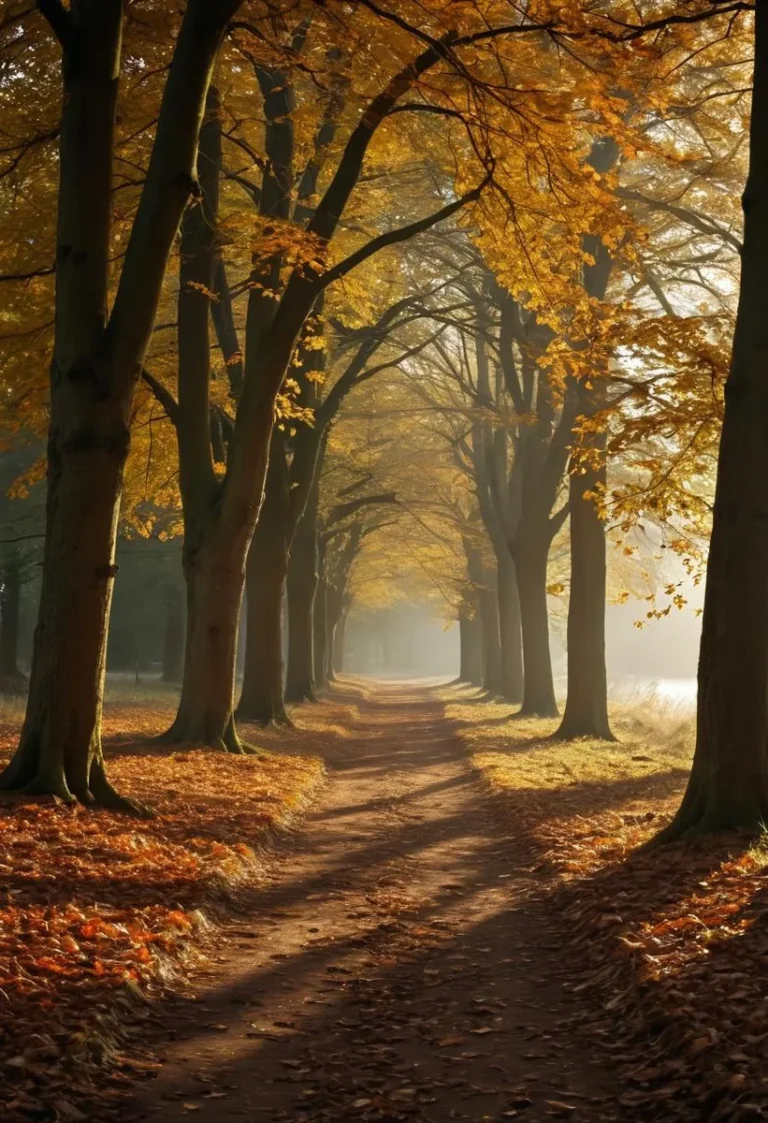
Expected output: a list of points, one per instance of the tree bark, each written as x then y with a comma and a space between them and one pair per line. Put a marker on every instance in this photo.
261, 699
215, 576
510, 631
539, 688
728, 785
174, 640
586, 707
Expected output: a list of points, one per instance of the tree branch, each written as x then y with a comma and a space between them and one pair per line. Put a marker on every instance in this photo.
163, 395
400, 234
61, 23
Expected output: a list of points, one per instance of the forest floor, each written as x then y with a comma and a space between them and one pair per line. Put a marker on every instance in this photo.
460, 928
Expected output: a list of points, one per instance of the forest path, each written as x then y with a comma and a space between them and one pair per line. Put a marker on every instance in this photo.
393, 967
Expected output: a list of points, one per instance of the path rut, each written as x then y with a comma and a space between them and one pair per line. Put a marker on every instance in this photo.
395, 967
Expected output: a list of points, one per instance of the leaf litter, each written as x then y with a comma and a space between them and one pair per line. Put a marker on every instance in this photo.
102, 913
668, 945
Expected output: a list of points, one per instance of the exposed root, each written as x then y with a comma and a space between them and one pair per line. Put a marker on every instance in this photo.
105, 795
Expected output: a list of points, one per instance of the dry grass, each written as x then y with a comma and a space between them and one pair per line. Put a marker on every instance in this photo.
654, 743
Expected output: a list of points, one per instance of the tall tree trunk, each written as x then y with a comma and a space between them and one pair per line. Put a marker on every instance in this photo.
586, 707
302, 585
174, 639
539, 688
217, 528
728, 785
60, 749
509, 631
261, 698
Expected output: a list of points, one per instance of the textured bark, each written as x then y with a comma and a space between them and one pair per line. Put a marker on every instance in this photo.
215, 577
728, 785
539, 689
261, 699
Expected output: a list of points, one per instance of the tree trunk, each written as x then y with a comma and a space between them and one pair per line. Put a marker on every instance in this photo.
539, 688
173, 643
586, 707
261, 698
728, 785
10, 612
60, 748
509, 631
216, 533
215, 575
302, 585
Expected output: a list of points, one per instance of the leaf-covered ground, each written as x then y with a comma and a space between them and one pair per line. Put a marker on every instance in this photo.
670, 945
98, 909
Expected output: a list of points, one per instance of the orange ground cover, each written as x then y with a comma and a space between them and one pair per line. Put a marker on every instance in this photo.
96, 908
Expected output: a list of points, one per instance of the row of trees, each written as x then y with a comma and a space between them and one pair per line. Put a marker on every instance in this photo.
280, 229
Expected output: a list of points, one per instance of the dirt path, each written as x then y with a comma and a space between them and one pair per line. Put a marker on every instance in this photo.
393, 969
